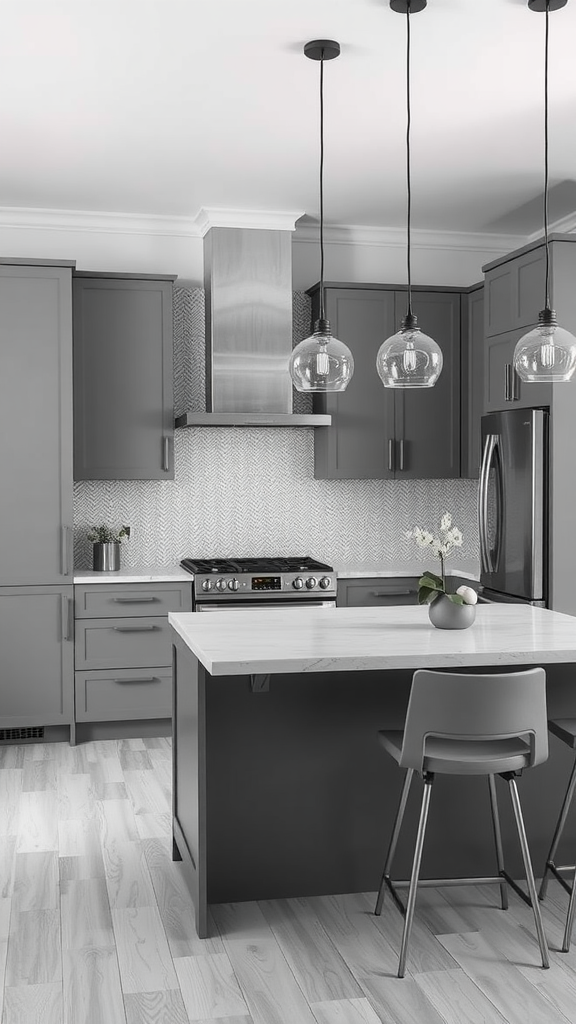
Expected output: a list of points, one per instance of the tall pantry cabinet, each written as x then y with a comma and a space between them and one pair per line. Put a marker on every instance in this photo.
36, 513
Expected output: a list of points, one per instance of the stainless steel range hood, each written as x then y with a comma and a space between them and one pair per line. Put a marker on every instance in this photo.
248, 289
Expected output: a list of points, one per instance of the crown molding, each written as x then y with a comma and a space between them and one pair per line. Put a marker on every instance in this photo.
342, 234
36, 218
564, 225
265, 220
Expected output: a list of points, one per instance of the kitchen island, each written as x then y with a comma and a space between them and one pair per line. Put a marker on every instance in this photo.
280, 787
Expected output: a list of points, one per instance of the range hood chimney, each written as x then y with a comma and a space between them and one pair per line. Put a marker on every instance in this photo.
248, 290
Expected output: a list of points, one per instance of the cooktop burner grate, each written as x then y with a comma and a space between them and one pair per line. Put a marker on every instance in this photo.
255, 565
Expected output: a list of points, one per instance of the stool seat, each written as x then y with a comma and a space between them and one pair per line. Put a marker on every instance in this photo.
463, 756
564, 729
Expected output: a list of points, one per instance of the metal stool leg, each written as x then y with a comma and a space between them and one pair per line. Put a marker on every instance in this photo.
428, 780
498, 841
394, 839
529, 873
558, 831
569, 918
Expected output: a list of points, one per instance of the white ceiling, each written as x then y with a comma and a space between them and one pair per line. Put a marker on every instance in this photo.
165, 106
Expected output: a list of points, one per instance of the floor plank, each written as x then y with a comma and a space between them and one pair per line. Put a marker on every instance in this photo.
33, 1004
5, 910
38, 825
501, 982
34, 947
175, 904
127, 876
209, 987
10, 800
143, 953
345, 1011
36, 883
457, 999
155, 1008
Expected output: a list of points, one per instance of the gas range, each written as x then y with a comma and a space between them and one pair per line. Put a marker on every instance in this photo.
261, 580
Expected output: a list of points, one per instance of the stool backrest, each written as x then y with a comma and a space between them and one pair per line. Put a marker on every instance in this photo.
458, 705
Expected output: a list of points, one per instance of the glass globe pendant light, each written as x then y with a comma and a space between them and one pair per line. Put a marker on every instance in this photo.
409, 359
548, 352
321, 362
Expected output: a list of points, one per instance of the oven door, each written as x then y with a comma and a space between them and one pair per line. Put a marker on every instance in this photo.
227, 606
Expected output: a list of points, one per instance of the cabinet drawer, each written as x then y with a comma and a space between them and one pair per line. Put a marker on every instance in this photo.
101, 601
123, 695
129, 643
377, 592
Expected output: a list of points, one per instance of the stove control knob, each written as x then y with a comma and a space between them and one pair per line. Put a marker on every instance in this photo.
298, 583
311, 582
207, 585
325, 582
233, 584
221, 584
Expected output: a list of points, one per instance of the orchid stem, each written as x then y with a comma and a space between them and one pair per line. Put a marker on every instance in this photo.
441, 557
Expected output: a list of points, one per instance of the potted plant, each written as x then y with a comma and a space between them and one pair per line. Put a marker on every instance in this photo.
107, 547
446, 610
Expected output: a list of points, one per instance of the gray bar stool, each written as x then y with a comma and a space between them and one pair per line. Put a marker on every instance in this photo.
462, 724
565, 730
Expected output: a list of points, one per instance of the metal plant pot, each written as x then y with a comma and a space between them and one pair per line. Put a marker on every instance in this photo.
106, 557
444, 614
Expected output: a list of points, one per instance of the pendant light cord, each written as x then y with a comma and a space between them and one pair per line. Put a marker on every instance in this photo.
408, 175
546, 244
322, 315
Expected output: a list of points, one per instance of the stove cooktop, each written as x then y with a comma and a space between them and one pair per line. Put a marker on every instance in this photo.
256, 565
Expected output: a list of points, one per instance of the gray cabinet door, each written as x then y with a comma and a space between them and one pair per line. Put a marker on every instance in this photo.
514, 293
36, 656
123, 404
503, 389
358, 444
472, 393
427, 420
35, 425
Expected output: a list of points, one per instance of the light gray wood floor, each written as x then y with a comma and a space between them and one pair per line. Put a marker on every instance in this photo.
96, 922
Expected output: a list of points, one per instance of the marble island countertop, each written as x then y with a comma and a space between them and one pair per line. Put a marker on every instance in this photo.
351, 639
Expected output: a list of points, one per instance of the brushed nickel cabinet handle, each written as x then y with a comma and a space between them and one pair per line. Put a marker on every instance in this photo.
67, 619
166, 454
134, 629
65, 549
140, 679
507, 383
515, 385
401, 443
134, 600
391, 454
392, 593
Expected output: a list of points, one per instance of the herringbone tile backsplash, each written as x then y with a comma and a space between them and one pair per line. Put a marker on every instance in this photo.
251, 491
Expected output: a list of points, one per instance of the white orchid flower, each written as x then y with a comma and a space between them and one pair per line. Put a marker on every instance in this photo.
437, 547
468, 595
456, 537
446, 521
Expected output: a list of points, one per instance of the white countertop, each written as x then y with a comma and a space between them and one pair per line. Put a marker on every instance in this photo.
148, 574
248, 641
467, 569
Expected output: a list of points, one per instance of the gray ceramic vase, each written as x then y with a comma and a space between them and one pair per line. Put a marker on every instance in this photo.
444, 614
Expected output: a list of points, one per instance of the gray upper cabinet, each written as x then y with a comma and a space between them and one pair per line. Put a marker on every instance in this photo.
35, 425
514, 293
503, 388
472, 392
378, 433
123, 399
359, 443
427, 420
36, 656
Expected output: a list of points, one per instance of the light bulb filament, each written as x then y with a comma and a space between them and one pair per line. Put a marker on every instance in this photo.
409, 358
322, 363
547, 354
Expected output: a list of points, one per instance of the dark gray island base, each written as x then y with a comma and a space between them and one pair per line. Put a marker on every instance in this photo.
285, 792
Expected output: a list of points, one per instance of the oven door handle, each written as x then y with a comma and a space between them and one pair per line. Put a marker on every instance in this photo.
244, 605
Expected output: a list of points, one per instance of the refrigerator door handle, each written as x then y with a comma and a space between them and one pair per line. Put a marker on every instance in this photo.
483, 503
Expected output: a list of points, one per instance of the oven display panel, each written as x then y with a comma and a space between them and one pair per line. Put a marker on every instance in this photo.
266, 583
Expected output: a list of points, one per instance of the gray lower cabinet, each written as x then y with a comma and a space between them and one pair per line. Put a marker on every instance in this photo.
35, 425
36, 657
377, 592
123, 649
123, 398
379, 433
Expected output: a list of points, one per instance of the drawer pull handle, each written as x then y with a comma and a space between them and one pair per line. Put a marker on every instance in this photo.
140, 679
392, 593
134, 600
134, 629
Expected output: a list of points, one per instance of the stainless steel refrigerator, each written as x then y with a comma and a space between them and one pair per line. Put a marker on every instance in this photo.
513, 506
